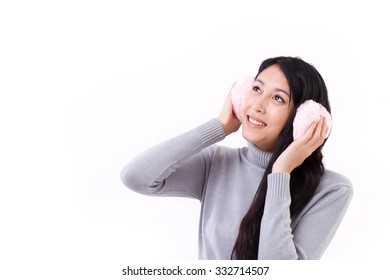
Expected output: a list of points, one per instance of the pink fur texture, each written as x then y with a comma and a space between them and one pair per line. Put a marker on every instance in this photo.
240, 89
308, 113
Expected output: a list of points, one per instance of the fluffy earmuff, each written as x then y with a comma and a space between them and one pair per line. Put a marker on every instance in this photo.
240, 89
307, 113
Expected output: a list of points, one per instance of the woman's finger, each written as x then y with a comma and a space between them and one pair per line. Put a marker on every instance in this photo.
318, 128
325, 129
319, 133
309, 134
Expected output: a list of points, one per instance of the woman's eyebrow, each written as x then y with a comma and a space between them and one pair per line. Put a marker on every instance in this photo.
276, 89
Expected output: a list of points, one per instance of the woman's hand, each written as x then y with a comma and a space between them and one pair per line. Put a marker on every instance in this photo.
301, 148
227, 117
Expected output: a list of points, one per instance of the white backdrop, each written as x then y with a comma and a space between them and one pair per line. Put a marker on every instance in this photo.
86, 85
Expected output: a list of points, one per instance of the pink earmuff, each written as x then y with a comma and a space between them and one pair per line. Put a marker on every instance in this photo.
307, 113
240, 89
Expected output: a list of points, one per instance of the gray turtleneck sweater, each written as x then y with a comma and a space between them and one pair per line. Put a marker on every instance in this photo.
225, 181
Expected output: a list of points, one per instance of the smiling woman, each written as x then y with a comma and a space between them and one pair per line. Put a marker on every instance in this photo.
270, 200
267, 108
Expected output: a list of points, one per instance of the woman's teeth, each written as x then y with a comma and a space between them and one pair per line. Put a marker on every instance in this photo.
256, 122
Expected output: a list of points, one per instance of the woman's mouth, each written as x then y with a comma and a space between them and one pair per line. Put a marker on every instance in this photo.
256, 122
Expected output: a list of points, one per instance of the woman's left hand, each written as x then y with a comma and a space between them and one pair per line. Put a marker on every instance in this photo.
228, 119
301, 148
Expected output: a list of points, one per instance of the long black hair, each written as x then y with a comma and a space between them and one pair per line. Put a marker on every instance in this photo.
305, 83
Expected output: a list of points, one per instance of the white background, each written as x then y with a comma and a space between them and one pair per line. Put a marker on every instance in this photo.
86, 85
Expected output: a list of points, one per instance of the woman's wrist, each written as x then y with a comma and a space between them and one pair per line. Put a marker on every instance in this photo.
228, 129
280, 167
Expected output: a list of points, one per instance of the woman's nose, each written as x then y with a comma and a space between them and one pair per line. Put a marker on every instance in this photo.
259, 105
256, 109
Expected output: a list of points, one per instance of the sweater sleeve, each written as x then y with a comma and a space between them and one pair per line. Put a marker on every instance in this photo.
315, 227
175, 167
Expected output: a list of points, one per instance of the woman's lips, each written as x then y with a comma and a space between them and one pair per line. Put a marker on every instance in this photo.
255, 122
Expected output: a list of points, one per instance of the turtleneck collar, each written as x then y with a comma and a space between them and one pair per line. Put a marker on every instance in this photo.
257, 156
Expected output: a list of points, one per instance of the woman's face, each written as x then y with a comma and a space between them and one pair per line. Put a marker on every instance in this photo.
266, 108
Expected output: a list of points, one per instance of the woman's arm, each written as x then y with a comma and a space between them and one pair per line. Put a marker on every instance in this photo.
310, 235
175, 167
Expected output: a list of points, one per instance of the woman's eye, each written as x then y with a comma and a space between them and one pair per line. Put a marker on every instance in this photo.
279, 99
257, 89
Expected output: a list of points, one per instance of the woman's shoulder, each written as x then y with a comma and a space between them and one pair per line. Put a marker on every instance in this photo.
334, 189
332, 181
335, 178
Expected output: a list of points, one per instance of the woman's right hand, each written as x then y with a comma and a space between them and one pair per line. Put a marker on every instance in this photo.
227, 117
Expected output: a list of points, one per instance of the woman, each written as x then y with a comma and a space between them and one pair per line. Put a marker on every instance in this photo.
270, 200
